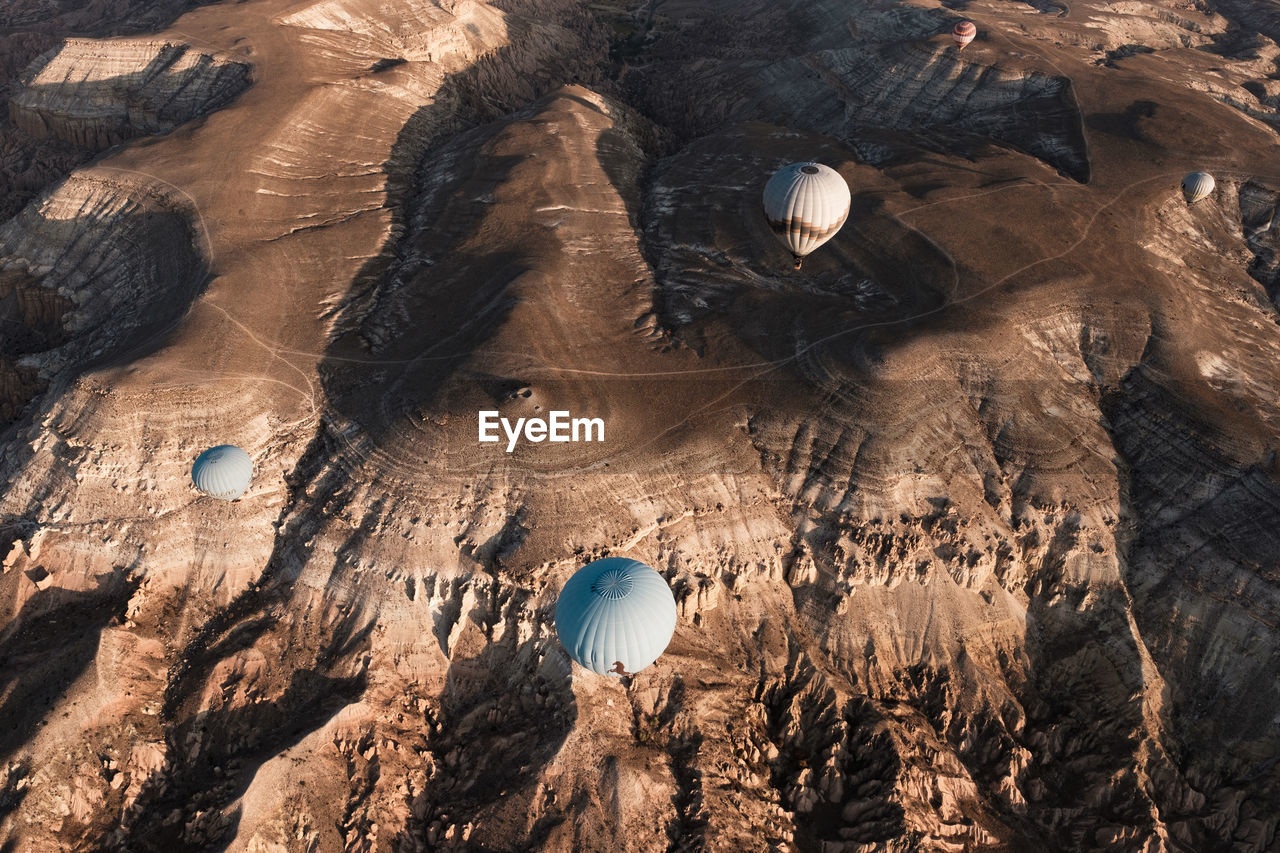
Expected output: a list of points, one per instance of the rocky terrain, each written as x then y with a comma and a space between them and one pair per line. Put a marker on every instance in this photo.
95, 99
28, 28
973, 523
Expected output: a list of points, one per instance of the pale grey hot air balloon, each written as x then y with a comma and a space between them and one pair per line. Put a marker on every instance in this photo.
1196, 186
615, 616
806, 203
222, 472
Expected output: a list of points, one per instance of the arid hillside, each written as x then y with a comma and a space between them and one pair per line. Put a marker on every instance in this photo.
973, 523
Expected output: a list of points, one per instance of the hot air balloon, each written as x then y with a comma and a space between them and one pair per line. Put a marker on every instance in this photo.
1196, 186
222, 472
806, 203
615, 616
964, 32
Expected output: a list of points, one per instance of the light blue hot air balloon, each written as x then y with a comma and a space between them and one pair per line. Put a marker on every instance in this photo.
615, 616
222, 472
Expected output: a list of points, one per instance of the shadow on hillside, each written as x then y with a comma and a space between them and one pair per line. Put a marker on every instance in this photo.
136, 275
518, 694
46, 647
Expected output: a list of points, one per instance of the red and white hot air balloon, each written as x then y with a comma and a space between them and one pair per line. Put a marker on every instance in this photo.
964, 33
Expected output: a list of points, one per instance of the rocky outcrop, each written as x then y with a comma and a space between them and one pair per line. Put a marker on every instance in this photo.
970, 524
1251, 22
32, 318
92, 15
830, 72
1202, 573
28, 28
1260, 219
455, 33
928, 88
97, 265
97, 94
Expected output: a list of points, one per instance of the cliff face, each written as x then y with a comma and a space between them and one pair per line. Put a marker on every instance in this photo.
888, 67
96, 98
94, 266
1260, 221
972, 524
28, 28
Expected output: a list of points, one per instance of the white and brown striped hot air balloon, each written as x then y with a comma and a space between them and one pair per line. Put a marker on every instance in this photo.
964, 33
806, 203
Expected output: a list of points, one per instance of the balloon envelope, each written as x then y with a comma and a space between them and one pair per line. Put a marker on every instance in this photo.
1196, 186
806, 203
615, 616
964, 32
222, 472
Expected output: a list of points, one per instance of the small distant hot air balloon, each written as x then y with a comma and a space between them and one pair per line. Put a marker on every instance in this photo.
964, 32
615, 616
806, 203
1196, 186
222, 472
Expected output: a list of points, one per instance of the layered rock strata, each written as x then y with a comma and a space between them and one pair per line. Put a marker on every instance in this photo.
971, 525
93, 98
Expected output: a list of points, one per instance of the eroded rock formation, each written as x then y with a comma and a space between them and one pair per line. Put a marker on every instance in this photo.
96, 265
96, 98
972, 525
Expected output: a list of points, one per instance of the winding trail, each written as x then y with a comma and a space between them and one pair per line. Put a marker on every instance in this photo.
762, 368
280, 41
